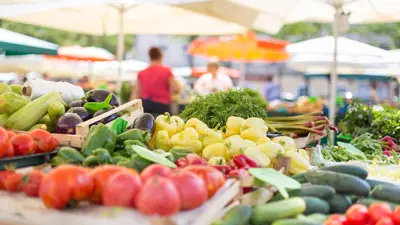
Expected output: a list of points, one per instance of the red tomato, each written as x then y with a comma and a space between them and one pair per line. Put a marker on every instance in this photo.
31, 183
100, 176
12, 182
54, 144
122, 189
23, 144
378, 211
191, 188
43, 140
213, 178
155, 169
74, 183
395, 215
3, 142
385, 221
10, 134
10, 150
333, 222
357, 214
158, 197
3, 176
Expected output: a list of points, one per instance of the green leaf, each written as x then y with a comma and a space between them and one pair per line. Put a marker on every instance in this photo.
119, 125
153, 156
276, 179
349, 148
96, 106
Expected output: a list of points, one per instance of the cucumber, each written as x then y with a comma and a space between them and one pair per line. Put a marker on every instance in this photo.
319, 191
3, 119
300, 178
295, 222
348, 169
339, 203
11, 102
238, 215
386, 193
316, 205
29, 115
55, 111
51, 127
342, 183
368, 201
374, 183
317, 218
278, 210
16, 88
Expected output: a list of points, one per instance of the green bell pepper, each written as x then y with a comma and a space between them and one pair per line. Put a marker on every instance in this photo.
67, 155
100, 136
178, 153
128, 143
99, 156
135, 162
134, 134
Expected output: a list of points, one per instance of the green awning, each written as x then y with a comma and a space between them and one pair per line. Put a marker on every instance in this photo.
353, 76
13, 43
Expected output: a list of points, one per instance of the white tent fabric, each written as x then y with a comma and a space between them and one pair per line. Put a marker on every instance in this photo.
352, 56
17, 38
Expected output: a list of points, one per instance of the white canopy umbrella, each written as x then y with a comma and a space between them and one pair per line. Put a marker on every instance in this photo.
332, 11
352, 56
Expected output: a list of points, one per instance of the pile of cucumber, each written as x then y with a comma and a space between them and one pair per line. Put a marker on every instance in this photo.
324, 191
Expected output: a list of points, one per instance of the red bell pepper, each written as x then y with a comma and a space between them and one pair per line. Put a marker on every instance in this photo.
243, 161
225, 169
191, 159
182, 162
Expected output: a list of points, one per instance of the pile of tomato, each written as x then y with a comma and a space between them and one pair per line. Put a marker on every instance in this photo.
36, 141
376, 214
158, 190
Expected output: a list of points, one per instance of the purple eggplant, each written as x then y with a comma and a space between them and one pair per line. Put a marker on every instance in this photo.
81, 112
66, 124
99, 95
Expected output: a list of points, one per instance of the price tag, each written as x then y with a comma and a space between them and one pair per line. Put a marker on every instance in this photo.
119, 125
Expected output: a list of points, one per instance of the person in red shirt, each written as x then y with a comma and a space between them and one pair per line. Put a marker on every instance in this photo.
156, 84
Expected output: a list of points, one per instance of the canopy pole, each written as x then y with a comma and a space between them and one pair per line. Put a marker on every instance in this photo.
121, 44
332, 100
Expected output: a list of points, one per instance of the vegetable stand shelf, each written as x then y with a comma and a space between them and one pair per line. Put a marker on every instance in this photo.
133, 109
17, 209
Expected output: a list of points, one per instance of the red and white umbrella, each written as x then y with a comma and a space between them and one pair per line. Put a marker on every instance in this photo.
79, 53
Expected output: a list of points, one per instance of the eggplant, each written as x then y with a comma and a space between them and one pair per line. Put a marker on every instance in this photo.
66, 123
81, 112
77, 103
108, 118
99, 95
144, 122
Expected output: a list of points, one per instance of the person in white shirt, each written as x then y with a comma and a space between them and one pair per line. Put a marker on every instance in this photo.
213, 81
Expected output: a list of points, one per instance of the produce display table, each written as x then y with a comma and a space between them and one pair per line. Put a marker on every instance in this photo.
18, 209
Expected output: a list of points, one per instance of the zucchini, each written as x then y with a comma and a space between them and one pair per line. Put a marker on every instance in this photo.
4, 88
342, 183
295, 222
300, 178
339, 203
386, 193
374, 183
319, 191
316, 205
368, 201
55, 111
316, 218
29, 115
278, 210
11, 102
238, 215
3, 119
51, 127
16, 88
348, 169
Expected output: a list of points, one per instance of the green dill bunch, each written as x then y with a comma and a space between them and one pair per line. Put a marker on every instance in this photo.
215, 109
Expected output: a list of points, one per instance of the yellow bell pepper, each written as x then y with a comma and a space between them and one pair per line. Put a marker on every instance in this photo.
233, 125
252, 134
180, 124
258, 156
211, 137
272, 150
262, 140
216, 149
216, 160
162, 140
298, 164
235, 145
187, 139
255, 123
200, 127
305, 154
164, 122
286, 142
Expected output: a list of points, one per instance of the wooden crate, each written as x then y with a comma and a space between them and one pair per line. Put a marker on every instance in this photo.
133, 108
18, 209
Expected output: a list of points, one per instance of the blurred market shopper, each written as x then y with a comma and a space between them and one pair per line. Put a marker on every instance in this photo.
272, 91
213, 81
156, 84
